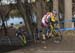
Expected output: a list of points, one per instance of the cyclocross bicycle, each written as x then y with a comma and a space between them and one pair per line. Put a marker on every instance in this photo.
56, 36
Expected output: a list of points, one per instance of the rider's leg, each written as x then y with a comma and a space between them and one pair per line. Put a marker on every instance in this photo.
43, 34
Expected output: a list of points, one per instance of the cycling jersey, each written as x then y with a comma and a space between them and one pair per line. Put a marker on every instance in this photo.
47, 18
53, 19
44, 24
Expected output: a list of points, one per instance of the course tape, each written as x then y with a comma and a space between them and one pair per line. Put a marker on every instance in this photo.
66, 21
65, 29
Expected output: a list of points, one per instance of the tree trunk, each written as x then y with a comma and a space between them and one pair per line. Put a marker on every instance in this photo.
3, 27
23, 12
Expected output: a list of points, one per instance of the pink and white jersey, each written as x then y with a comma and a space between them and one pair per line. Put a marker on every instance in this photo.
45, 19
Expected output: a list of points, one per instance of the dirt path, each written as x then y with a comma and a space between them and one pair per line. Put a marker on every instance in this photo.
66, 46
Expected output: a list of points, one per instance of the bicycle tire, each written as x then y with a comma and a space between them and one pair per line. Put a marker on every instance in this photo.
57, 38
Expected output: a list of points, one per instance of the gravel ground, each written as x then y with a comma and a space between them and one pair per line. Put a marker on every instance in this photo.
66, 46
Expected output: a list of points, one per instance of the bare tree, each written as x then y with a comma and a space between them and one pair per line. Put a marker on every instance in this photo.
23, 10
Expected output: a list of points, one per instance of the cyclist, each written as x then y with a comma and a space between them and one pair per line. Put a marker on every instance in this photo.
48, 19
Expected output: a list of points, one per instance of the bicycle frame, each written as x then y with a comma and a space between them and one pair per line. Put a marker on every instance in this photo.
54, 35
52, 29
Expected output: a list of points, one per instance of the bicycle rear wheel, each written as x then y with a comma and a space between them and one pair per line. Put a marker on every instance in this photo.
57, 37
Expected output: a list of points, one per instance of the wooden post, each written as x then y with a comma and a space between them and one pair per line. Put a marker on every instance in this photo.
68, 13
